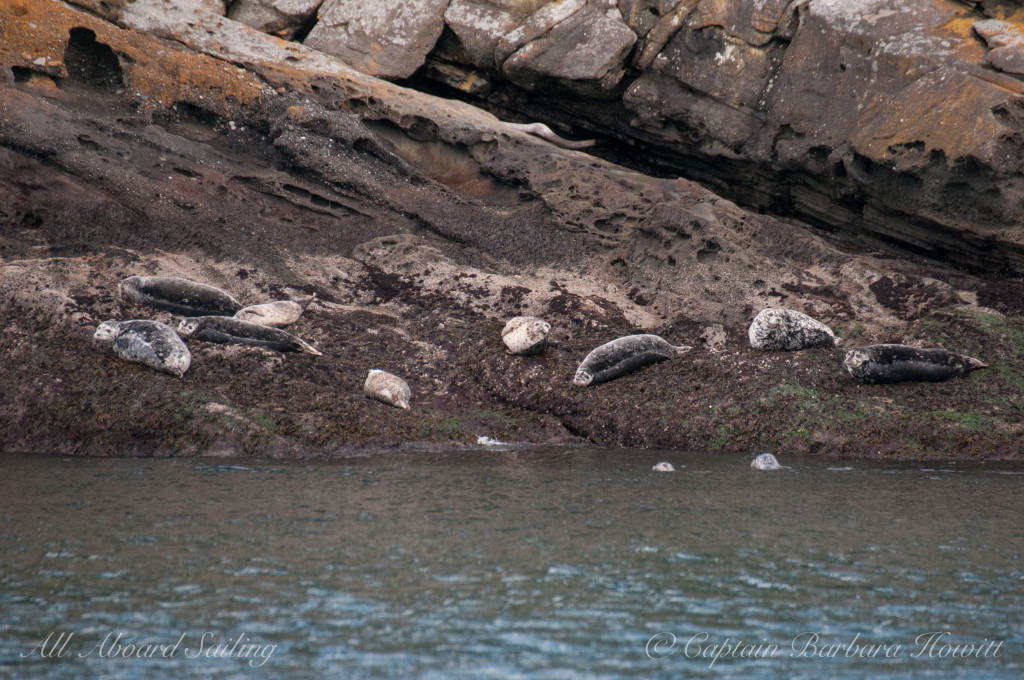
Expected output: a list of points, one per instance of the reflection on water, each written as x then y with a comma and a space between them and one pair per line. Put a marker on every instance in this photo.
509, 564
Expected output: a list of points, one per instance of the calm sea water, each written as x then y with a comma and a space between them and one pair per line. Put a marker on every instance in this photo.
540, 563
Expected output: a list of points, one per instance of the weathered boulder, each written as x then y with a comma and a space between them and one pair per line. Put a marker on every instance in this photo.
387, 38
480, 24
178, 142
283, 18
886, 122
584, 52
1006, 42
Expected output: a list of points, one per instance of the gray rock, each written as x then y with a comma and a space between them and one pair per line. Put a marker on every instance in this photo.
585, 52
385, 38
282, 18
479, 26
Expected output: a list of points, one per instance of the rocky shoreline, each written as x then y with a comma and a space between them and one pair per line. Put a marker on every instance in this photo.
162, 139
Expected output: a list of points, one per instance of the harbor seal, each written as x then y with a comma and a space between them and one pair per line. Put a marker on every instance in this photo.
146, 342
180, 296
664, 466
622, 356
228, 329
388, 388
786, 329
525, 335
892, 363
276, 314
766, 461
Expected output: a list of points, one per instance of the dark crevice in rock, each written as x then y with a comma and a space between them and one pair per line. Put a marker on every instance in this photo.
91, 64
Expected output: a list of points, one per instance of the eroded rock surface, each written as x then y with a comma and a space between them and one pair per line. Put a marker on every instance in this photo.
388, 38
896, 123
178, 142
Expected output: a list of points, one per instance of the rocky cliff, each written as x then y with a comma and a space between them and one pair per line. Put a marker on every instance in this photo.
167, 138
895, 121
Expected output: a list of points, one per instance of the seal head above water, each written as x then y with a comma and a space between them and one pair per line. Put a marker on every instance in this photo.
766, 461
387, 388
180, 296
622, 356
151, 343
789, 330
228, 329
893, 363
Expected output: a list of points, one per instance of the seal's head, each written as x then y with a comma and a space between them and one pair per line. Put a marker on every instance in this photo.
129, 287
106, 333
187, 327
583, 378
664, 466
765, 461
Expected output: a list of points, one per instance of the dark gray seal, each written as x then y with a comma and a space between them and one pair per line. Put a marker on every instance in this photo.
622, 356
151, 343
227, 329
788, 330
890, 363
180, 296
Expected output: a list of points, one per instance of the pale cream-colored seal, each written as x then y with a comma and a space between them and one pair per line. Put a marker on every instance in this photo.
525, 335
388, 388
277, 314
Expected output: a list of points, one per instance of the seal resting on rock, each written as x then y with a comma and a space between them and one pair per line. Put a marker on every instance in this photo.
146, 342
622, 356
525, 335
891, 363
276, 314
786, 329
228, 329
180, 296
766, 461
388, 388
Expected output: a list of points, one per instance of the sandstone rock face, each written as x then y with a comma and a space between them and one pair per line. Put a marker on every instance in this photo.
282, 18
584, 52
479, 25
890, 121
387, 38
173, 141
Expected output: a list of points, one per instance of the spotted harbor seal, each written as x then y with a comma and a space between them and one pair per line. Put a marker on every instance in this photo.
891, 363
276, 314
766, 461
388, 388
180, 296
227, 329
622, 356
786, 329
146, 342
525, 335
664, 466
